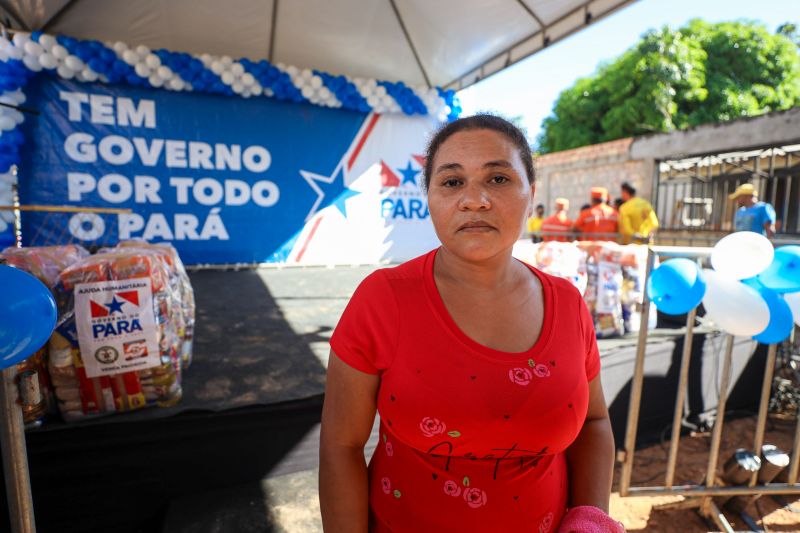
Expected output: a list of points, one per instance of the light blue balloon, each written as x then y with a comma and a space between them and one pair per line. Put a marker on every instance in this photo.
781, 321
676, 287
27, 315
783, 275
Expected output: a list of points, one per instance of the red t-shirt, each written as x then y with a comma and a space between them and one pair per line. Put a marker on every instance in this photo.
471, 438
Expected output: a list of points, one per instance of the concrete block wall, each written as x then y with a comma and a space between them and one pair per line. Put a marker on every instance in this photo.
572, 173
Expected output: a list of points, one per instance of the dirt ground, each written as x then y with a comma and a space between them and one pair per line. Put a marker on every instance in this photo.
780, 513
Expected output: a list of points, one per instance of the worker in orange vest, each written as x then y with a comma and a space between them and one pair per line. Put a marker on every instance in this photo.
557, 222
600, 218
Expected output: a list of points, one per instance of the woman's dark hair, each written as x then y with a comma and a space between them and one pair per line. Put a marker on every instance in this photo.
480, 122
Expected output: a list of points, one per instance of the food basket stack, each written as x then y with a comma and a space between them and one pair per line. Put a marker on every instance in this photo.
115, 347
32, 378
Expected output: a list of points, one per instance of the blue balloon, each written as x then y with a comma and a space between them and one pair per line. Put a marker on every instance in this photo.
781, 321
97, 65
105, 54
783, 275
27, 315
677, 286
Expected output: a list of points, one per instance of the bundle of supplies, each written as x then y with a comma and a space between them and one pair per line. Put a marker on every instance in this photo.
117, 346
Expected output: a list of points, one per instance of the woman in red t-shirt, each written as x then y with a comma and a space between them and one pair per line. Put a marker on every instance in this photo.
484, 371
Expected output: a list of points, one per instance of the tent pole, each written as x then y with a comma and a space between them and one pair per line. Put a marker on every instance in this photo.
15, 456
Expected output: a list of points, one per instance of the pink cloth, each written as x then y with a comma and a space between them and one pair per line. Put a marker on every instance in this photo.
588, 519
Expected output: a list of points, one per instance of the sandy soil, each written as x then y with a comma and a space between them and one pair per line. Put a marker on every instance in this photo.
643, 513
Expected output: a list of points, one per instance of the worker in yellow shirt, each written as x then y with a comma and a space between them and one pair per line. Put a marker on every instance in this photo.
636, 216
535, 222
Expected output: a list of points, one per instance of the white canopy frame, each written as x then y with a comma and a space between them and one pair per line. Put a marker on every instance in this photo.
448, 43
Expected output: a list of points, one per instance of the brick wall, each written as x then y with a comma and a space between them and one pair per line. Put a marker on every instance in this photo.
572, 173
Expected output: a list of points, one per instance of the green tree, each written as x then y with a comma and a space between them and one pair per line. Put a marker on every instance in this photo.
675, 79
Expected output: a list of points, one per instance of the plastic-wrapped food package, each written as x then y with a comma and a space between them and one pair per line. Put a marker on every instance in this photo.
561, 259
32, 379
181, 285
44, 262
634, 270
604, 287
116, 344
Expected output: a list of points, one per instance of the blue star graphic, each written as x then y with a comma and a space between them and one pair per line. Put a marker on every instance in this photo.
114, 306
325, 186
409, 174
340, 200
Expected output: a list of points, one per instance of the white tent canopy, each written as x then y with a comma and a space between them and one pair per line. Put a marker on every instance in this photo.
447, 43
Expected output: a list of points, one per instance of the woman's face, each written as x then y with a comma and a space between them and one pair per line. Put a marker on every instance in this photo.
479, 195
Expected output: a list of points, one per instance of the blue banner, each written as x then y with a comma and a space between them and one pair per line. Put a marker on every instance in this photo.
225, 180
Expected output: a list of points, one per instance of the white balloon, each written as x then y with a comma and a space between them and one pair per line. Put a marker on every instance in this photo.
291, 70
142, 70
164, 72
59, 52
88, 74
205, 58
156, 80
119, 47
256, 89
152, 61
47, 41
20, 38
227, 77
324, 93
7, 123
176, 84
74, 63
15, 53
248, 79
237, 87
48, 61
373, 101
308, 92
793, 299
237, 69
217, 67
17, 95
316, 82
142, 51
742, 255
380, 90
226, 60
32, 48
269, 92
65, 72
733, 306
130, 57
32, 63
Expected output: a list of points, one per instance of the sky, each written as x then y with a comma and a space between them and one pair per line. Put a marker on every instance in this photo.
530, 88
